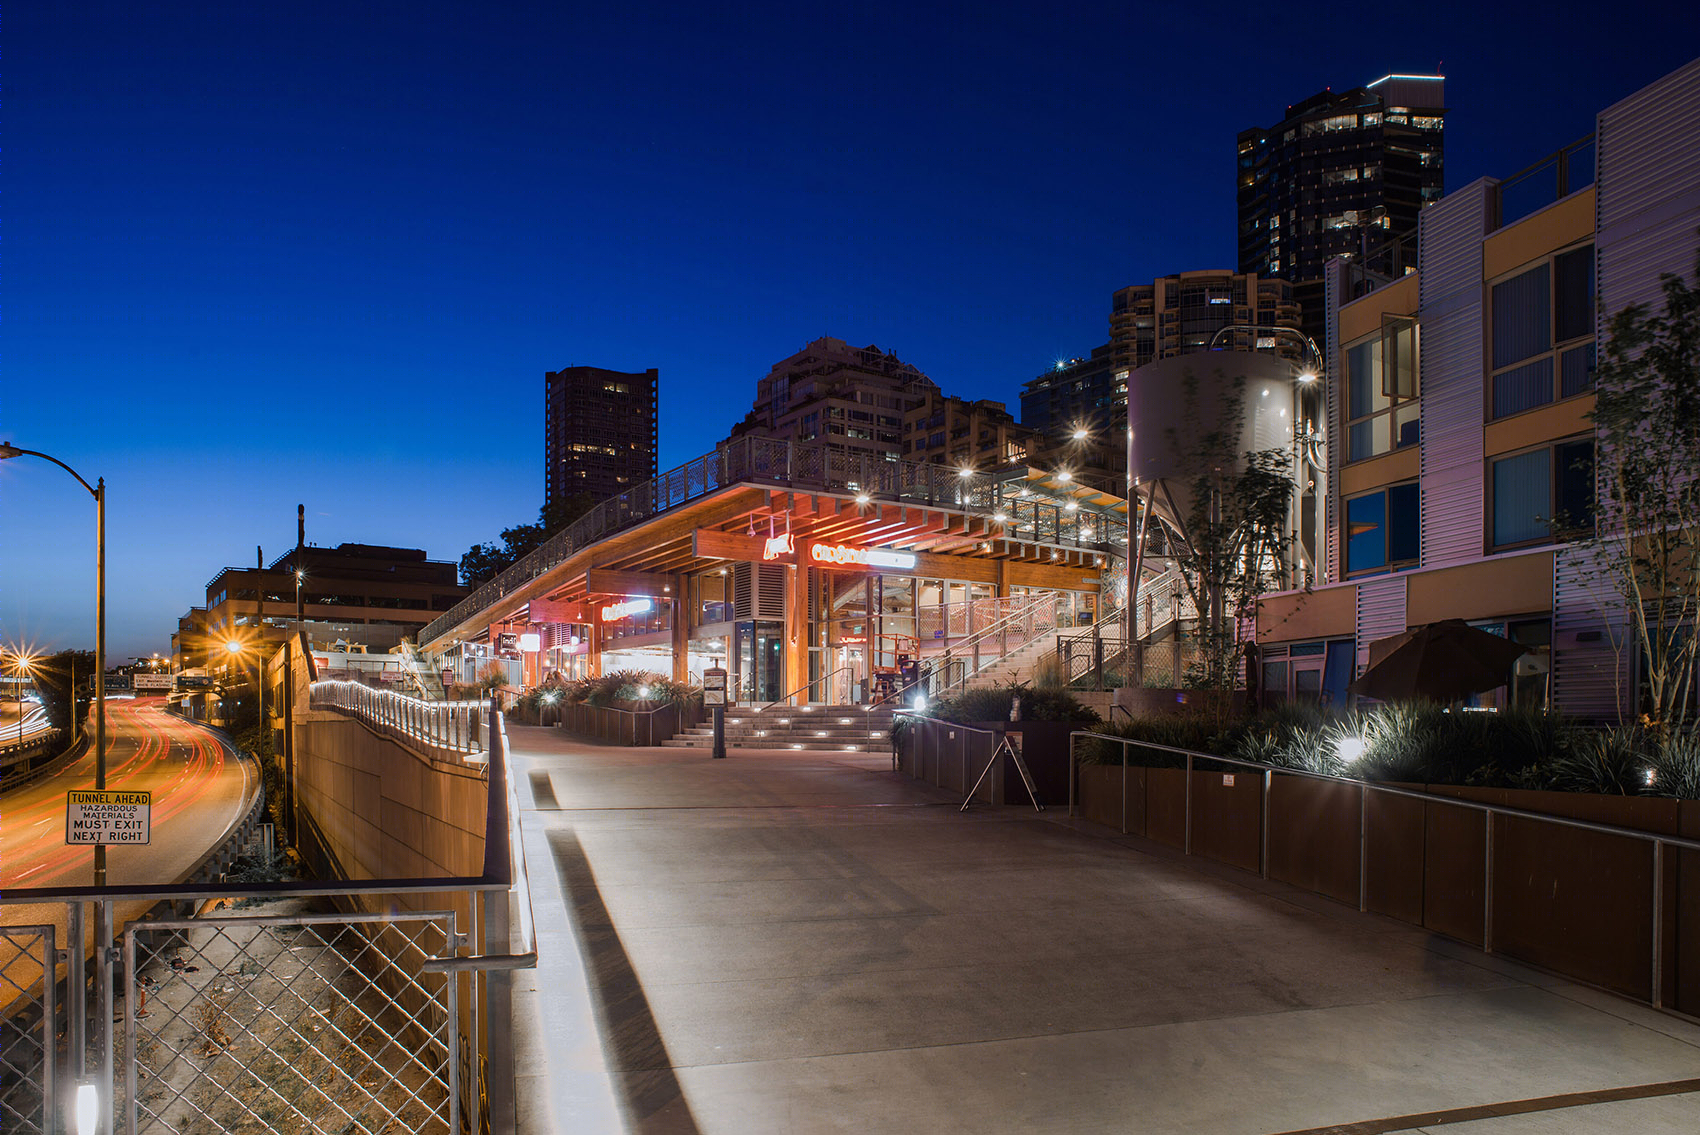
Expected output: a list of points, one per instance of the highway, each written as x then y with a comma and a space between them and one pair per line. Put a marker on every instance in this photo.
199, 789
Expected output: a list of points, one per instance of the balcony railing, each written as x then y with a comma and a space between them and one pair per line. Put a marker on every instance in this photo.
772, 461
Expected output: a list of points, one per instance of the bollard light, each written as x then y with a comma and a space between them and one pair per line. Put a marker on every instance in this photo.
1349, 749
643, 693
920, 701
88, 1108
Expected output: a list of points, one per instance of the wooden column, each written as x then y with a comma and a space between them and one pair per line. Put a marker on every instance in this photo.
683, 612
797, 627
593, 655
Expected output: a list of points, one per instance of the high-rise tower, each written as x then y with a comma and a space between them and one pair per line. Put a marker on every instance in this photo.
599, 434
1341, 174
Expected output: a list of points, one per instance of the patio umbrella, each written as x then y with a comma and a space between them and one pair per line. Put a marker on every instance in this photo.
1443, 661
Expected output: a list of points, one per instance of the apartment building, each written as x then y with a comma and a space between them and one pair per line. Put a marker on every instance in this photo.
1460, 470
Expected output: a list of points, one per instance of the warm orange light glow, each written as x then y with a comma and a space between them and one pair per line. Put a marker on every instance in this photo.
778, 546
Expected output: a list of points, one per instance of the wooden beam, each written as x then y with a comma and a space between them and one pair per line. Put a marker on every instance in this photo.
607, 581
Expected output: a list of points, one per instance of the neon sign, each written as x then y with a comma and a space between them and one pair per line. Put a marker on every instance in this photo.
778, 546
843, 555
628, 608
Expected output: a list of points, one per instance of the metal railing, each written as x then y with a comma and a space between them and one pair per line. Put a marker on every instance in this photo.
1657, 843
1551, 179
773, 461
454, 726
372, 1018
804, 689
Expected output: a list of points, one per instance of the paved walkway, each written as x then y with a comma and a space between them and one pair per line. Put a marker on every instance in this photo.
806, 942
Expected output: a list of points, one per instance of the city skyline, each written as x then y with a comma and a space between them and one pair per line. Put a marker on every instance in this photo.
346, 237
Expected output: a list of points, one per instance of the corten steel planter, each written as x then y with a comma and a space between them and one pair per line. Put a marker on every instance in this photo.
1571, 900
1313, 835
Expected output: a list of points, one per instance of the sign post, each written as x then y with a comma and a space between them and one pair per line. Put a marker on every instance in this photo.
714, 697
101, 816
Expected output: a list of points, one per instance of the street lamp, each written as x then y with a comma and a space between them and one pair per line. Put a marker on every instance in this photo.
98, 492
21, 665
234, 647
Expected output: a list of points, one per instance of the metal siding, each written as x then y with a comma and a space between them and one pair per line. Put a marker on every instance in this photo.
1335, 294
1586, 678
1647, 207
1450, 305
1381, 612
1647, 189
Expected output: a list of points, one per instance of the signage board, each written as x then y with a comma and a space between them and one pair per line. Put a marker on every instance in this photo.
626, 609
113, 682
846, 555
530, 643
507, 640
194, 681
153, 681
106, 816
714, 687
778, 547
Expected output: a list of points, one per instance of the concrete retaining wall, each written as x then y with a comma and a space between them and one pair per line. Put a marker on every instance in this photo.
382, 810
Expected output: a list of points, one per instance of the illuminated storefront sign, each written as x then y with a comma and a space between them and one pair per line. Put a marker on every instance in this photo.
843, 555
778, 547
628, 608
529, 643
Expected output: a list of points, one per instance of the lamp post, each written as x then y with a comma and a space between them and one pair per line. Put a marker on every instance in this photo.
21, 664
98, 492
235, 647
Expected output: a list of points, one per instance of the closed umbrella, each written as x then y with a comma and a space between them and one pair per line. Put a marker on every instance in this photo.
1444, 661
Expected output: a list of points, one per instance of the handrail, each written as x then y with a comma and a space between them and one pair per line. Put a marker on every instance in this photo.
786, 700
1365, 787
969, 643
453, 726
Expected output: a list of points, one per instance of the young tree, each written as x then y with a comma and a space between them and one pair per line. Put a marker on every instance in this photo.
486, 561
1235, 540
1647, 437
60, 677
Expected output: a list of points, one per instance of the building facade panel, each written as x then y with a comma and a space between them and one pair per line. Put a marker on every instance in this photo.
1381, 612
1450, 286
1589, 627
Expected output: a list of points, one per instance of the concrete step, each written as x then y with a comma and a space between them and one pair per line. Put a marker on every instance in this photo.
869, 745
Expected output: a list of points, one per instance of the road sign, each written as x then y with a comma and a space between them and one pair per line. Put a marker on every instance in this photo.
153, 681
96, 816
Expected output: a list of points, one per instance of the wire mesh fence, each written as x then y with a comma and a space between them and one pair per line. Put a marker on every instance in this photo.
305, 1022
28, 1031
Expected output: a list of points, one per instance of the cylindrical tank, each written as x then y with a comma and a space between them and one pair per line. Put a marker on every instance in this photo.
1164, 423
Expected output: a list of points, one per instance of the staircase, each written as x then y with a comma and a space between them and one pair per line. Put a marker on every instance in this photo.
1015, 666
427, 680
820, 728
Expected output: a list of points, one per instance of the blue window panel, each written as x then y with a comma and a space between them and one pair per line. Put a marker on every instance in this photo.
1576, 370
1522, 497
1366, 533
1522, 317
1361, 441
1522, 389
1404, 524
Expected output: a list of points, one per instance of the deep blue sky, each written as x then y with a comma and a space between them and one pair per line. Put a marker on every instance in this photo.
256, 255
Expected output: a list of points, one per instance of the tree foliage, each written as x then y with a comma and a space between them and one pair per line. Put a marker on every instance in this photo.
485, 561
1236, 537
1647, 422
54, 676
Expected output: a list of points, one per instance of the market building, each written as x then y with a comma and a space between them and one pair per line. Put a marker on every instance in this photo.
811, 575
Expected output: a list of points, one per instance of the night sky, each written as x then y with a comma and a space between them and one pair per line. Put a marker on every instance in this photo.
261, 255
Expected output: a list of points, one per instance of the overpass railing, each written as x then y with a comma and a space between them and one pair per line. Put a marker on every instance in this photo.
795, 465
456, 726
363, 1006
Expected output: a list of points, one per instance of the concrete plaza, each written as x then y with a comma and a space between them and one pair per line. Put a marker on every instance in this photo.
803, 942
